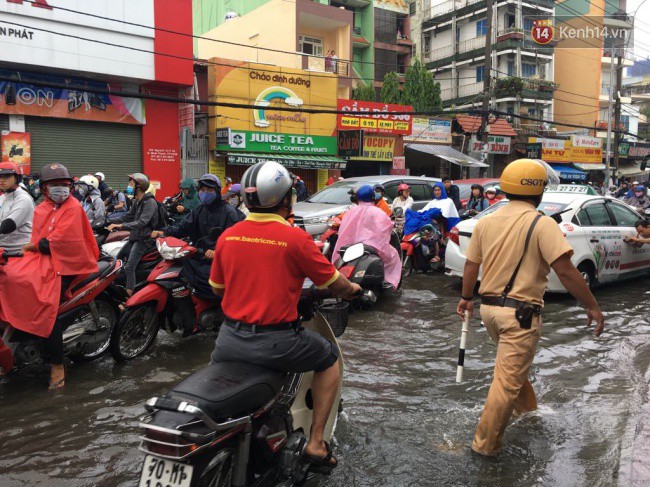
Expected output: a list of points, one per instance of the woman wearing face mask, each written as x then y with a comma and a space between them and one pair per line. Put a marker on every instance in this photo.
477, 202
62, 251
213, 212
140, 220
235, 199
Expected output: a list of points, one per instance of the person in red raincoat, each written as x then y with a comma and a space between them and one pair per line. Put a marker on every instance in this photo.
62, 251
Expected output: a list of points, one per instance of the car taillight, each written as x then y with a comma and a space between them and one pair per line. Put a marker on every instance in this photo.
453, 236
347, 271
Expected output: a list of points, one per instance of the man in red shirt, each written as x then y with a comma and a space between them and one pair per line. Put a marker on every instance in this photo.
259, 268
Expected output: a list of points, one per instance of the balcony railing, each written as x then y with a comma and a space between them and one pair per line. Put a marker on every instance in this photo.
447, 94
472, 44
470, 89
449, 6
440, 53
320, 63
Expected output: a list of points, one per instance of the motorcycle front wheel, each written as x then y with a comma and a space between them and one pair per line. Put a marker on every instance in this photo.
135, 332
107, 319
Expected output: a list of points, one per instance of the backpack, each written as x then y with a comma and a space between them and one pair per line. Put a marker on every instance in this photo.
163, 216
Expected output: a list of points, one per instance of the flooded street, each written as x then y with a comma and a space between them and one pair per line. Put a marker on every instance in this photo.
406, 422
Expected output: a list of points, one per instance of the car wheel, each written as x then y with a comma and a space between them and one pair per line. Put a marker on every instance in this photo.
588, 273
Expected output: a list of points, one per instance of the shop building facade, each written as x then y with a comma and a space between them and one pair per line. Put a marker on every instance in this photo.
66, 77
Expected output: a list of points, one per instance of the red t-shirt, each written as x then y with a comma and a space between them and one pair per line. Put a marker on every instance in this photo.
261, 263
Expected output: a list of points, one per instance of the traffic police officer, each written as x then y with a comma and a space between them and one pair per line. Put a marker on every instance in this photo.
259, 268
511, 308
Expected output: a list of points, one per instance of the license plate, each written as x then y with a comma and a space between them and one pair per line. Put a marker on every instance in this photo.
158, 472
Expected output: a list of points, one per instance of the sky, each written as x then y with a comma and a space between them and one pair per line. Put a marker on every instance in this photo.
641, 27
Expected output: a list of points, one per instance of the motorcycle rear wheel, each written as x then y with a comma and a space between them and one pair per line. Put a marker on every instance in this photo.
135, 332
219, 471
107, 314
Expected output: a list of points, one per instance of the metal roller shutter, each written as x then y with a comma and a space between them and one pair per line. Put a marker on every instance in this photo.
4, 122
87, 147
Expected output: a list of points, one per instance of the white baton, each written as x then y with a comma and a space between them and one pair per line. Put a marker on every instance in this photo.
461, 352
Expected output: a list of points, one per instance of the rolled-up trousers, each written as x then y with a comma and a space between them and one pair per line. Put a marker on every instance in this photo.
510, 390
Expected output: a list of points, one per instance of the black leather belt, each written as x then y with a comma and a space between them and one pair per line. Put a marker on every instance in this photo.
509, 303
261, 328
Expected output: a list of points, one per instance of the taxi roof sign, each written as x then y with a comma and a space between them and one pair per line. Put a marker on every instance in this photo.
576, 189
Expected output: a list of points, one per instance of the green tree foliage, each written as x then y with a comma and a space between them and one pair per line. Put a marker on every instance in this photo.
364, 93
421, 91
390, 90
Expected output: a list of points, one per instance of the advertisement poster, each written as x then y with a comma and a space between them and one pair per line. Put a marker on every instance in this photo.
23, 98
16, 147
278, 94
430, 130
374, 117
556, 150
350, 143
377, 148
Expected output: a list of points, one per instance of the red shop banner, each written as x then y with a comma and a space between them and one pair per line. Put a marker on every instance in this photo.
374, 117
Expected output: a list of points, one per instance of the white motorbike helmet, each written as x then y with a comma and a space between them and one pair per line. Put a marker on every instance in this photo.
265, 185
90, 181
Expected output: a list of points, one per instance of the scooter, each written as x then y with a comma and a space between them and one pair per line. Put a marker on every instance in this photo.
327, 240
236, 424
414, 255
151, 308
362, 265
88, 316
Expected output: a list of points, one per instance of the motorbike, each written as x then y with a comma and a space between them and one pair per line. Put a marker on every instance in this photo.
415, 256
88, 316
236, 424
151, 308
362, 265
327, 241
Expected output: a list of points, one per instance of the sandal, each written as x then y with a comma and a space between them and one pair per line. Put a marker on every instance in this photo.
57, 384
322, 465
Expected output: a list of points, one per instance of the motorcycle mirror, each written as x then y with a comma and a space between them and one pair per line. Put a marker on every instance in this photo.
398, 212
353, 252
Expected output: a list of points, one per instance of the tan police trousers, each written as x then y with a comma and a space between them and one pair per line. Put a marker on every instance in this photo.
510, 390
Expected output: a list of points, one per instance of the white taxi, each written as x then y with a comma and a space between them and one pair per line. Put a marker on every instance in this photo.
595, 226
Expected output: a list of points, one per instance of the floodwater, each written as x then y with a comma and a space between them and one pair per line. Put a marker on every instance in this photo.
406, 422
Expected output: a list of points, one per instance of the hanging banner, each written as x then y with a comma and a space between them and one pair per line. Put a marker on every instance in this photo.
555, 150
377, 148
430, 130
16, 148
399, 162
497, 144
22, 98
373, 117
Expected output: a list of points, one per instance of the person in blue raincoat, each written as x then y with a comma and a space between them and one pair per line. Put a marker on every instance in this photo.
445, 204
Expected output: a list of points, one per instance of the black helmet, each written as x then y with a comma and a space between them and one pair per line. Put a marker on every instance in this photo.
477, 186
141, 180
379, 187
55, 171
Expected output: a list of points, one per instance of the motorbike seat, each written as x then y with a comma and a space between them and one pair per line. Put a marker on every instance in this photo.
104, 268
228, 389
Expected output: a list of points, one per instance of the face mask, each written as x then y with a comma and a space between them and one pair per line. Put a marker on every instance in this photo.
377, 196
234, 202
81, 190
129, 190
207, 198
59, 194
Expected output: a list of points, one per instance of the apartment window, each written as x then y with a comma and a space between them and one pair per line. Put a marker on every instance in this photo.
386, 26
479, 73
511, 68
457, 35
528, 24
311, 45
625, 122
481, 28
528, 70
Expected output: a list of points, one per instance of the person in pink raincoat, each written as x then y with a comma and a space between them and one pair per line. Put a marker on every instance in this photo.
369, 225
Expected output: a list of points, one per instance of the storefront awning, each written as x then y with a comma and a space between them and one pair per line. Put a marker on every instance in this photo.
447, 153
590, 166
298, 162
629, 170
569, 173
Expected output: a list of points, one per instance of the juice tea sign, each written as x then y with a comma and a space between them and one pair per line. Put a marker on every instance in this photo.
374, 117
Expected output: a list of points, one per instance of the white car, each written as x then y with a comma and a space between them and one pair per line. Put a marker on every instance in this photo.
595, 226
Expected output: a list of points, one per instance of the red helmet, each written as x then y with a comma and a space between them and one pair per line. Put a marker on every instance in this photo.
403, 186
9, 167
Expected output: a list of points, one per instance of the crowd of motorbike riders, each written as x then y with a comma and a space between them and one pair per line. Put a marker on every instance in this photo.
56, 238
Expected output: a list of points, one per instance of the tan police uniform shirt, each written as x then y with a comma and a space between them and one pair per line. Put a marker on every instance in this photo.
498, 243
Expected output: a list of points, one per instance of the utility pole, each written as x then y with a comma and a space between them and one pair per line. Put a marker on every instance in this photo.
617, 108
487, 92
608, 147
